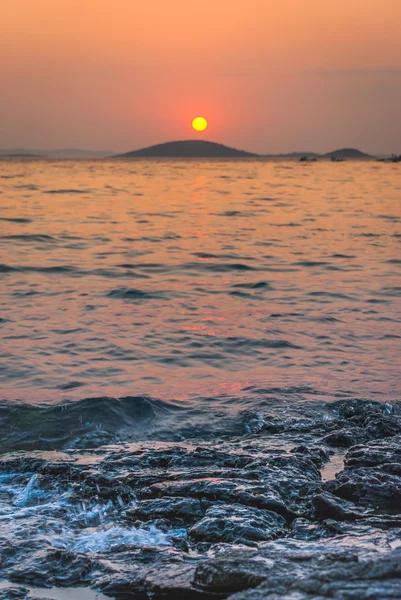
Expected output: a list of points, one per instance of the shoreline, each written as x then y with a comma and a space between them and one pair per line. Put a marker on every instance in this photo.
237, 517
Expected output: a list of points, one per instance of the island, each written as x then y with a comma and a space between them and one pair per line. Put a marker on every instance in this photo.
188, 149
347, 153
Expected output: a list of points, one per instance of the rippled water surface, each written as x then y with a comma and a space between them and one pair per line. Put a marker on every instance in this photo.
194, 280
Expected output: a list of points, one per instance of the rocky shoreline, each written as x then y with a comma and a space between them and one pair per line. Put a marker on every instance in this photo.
245, 518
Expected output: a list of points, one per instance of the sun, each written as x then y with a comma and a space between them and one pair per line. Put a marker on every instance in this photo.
199, 123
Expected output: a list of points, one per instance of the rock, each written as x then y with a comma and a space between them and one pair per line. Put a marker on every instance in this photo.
237, 524
165, 576
13, 593
337, 576
174, 582
52, 568
123, 586
370, 488
205, 520
303, 529
223, 490
376, 454
328, 506
237, 571
176, 510
372, 477
344, 438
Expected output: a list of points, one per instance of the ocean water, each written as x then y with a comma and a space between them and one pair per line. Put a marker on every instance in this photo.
187, 287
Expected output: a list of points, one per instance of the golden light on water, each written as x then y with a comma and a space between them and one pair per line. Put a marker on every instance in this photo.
199, 123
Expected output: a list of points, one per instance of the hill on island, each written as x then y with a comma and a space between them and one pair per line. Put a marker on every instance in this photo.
188, 149
347, 153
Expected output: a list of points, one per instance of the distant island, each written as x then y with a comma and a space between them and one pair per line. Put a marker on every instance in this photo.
22, 155
347, 153
62, 153
188, 149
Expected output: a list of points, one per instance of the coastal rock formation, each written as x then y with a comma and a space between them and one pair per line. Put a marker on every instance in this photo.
244, 517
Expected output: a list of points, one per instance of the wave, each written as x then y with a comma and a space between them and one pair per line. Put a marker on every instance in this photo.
69, 270
15, 220
95, 422
256, 285
86, 423
39, 237
311, 263
67, 191
134, 294
219, 267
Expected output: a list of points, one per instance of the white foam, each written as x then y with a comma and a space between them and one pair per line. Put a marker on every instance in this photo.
91, 540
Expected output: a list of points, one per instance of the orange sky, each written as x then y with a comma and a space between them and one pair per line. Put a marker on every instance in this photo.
271, 75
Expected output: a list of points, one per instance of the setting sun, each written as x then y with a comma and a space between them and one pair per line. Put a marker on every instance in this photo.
199, 124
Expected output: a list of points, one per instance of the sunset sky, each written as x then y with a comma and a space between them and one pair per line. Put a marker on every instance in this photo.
270, 75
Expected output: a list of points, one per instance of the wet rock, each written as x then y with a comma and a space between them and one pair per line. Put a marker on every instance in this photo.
371, 488
124, 586
224, 490
176, 582
376, 454
237, 524
13, 593
52, 568
236, 571
167, 577
282, 484
184, 520
316, 454
371, 579
275, 566
176, 510
376, 419
303, 529
344, 438
372, 477
328, 506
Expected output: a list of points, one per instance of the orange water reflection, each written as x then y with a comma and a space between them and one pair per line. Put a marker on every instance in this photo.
179, 279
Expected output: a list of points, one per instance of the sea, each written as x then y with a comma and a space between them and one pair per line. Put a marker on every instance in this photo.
181, 300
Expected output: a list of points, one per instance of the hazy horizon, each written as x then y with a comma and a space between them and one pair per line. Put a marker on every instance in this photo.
271, 78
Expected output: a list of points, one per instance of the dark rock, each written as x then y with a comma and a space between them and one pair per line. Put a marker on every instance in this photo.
173, 582
315, 453
124, 586
344, 438
52, 568
370, 488
328, 506
371, 477
237, 571
224, 490
375, 454
165, 576
303, 529
184, 520
13, 593
337, 576
237, 524
175, 510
